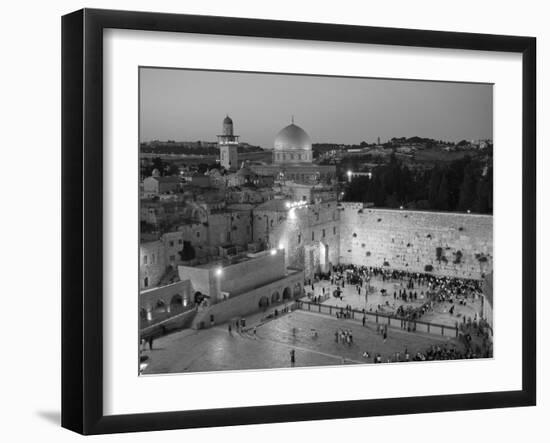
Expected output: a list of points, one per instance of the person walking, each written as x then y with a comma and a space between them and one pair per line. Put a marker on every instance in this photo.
292, 357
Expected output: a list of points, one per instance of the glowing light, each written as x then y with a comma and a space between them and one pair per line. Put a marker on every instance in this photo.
281, 246
468, 211
273, 251
349, 173
219, 272
400, 207
296, 204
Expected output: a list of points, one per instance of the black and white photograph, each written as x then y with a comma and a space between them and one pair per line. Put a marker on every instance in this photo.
290, 221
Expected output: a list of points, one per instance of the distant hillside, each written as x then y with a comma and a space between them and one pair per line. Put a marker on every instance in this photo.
190, 148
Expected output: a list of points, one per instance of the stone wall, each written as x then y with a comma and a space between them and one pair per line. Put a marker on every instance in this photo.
149, 298
241, 277
264, 297
410, 240
152, 264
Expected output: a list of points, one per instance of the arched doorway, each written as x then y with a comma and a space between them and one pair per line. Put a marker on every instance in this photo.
297, 290
176, 304
287, 294
264, 302
160, 306
275, 297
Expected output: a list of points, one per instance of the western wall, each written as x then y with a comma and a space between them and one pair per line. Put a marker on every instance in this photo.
444, 243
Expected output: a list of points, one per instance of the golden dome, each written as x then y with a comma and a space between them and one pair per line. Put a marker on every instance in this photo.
292, 138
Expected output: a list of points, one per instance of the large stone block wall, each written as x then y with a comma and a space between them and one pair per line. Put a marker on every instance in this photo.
240, 277
249, 302
409, 239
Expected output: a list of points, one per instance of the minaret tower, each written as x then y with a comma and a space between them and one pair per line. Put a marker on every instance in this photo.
227, 143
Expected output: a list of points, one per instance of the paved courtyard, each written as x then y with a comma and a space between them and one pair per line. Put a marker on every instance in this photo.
439, 315
311, 335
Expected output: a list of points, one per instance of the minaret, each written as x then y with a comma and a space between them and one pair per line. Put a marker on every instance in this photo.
227, 144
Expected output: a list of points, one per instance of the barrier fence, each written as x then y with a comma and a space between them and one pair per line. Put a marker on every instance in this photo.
382, 319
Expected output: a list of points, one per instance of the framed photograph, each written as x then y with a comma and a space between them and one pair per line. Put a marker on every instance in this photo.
269, 221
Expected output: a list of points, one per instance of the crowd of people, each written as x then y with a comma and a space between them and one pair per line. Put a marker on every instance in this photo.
410, 287
344, 336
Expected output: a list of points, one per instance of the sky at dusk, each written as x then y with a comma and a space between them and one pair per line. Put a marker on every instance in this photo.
189, 105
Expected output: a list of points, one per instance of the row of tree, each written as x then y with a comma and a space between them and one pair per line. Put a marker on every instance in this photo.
465, 184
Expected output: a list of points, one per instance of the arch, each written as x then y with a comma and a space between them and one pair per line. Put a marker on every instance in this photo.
176, 303
275, 297
160, 306
287, 293
264, 302
143, 313
297, 291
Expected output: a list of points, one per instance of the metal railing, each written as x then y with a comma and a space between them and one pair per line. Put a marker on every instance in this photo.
379, 318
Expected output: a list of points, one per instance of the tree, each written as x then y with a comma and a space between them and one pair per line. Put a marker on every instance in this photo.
392, 201
187, 252
467, 190
442, 201
433, 187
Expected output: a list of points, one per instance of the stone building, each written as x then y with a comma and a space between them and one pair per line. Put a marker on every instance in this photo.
309, 233
292, 156
152, 263
228, 145
156, 185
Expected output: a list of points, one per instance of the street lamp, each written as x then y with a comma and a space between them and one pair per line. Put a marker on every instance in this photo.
219, 272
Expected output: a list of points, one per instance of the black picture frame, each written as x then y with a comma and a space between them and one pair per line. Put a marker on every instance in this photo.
82, 215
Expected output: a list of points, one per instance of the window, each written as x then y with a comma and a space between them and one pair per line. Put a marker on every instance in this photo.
228, 236
172, 258
198, 234
324, 233
271, 223
144, 260
312, 235
334, 230
153, 259
299, 238
180, 241
145, 282
171, 244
